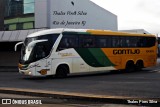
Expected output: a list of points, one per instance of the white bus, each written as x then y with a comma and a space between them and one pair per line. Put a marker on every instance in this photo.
66, 51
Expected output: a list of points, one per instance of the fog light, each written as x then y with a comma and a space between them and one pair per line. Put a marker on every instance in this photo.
29, 73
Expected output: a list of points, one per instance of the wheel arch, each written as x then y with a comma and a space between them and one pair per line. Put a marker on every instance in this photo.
64, 65
141, 62
129, 61
130, 66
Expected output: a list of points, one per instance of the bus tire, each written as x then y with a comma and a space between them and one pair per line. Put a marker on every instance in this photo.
130, 67
139, 65
62, 71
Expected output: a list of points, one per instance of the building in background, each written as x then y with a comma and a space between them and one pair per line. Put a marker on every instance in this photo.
18, 14
32, 14
83, 14
2, 9
19, 18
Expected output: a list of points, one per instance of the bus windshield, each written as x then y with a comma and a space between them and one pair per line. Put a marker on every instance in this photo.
37, 48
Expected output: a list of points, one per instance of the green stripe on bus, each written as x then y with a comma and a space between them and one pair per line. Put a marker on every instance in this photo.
101, 57
84, 33
94, 57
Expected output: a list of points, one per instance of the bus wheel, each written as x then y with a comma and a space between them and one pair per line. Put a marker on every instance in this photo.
130, 67
139, 65
62, 71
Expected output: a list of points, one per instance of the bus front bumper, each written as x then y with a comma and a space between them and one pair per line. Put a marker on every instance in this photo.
25, 72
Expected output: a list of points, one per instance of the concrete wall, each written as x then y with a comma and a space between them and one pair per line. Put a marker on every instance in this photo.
73, 14
78, 14
41, 13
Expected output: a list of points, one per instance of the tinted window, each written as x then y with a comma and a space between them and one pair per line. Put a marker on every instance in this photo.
49, 44
68, 41
131, 41
28, 6
103, 41
141, 42
87, 41
150, 41
38, 50
115, 41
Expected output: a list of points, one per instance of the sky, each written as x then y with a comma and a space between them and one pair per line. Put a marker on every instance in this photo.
134, 14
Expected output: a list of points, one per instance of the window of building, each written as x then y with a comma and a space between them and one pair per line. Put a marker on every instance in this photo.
28, 25
13, 8
19, 26
18, 7
28, 6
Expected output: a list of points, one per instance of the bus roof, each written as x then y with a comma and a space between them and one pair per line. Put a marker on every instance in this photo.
107, 32
87, 31
55, 31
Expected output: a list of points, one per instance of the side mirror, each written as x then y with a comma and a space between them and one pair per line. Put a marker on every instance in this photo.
15, 47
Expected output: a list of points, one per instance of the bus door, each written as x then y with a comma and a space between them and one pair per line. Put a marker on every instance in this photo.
43, 64
49, 66
43, 67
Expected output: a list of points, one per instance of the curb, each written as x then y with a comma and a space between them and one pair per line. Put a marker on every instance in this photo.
76, 96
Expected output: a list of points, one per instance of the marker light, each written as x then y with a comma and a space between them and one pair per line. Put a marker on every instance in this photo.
20, 66
43, 72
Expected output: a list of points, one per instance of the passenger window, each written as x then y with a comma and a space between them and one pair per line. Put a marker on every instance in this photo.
115, 42
150, 41
87, 41
103, 41
141, 42
122, 42
68, 41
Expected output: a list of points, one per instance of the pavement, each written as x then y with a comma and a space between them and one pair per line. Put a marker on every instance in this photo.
121, 101
110, 101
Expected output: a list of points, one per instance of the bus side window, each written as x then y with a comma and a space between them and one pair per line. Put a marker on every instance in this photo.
115, 42
127, 42
87, 41
103, 41
150, 41
141, 42
131, 41
40, 51
69, 41
122, 42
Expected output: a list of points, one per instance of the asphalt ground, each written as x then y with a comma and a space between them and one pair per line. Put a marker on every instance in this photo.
81, 88
19, 100
89, 97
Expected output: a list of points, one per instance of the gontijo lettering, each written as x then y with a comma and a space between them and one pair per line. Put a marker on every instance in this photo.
126, 51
